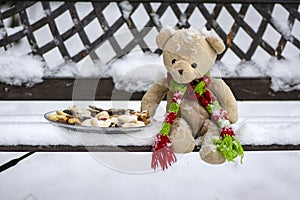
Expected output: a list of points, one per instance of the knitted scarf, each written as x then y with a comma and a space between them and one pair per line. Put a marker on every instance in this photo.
227, 144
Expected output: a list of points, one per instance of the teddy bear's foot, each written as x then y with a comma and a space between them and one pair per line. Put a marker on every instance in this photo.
208, 151
181, 137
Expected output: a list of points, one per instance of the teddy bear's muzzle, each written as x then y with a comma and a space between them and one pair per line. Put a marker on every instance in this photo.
182, 72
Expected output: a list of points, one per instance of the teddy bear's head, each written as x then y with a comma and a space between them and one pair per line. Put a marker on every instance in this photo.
188, 53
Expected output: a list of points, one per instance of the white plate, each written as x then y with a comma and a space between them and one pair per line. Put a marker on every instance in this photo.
94, 129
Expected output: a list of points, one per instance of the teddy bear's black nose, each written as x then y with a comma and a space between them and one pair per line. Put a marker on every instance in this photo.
180, 71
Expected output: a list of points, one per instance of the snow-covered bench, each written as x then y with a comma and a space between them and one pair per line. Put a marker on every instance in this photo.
70, 39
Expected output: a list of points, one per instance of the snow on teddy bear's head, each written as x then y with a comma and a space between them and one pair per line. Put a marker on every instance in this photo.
188, 53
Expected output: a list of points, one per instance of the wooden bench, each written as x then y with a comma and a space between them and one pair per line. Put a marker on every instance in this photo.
243, 88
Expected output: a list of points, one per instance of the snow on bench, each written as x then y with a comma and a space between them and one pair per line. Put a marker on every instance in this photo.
23, 128
57, 42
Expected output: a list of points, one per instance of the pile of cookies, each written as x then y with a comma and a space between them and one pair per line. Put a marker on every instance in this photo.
97, 117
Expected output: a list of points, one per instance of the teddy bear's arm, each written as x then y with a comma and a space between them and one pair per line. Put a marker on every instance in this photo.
226, 98
153, 97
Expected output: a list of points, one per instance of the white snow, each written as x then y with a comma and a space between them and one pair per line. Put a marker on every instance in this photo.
126, 9
137, 71
156, 20
284, 74
263, 175
18, 69
259, 123
284, 27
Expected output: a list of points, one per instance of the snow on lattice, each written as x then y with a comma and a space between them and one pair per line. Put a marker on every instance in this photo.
126, 9
133, 74
18, 69
285, 75
231, 64
280, 20
156, 20
91, 68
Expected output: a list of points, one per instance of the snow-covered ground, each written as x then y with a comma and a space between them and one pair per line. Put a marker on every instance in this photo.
127, 175
263, 175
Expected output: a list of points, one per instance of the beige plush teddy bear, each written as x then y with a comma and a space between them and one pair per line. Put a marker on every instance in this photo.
188, 55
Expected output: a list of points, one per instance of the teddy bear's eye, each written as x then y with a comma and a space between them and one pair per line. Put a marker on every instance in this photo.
173, 61
194, 65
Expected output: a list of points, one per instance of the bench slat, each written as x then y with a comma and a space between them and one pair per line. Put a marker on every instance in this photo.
62, 89
68, 148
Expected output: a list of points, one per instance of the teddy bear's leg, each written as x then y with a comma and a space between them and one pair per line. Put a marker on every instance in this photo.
181, 137
208, 151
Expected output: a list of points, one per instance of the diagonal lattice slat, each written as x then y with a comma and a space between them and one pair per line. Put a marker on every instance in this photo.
77, 32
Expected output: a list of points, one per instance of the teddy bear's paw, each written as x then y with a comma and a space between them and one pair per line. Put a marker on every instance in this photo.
181, 137
211, 155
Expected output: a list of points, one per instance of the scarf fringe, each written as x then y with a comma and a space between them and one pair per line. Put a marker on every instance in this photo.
162, 153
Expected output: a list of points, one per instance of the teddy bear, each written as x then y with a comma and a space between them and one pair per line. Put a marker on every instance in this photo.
188, 55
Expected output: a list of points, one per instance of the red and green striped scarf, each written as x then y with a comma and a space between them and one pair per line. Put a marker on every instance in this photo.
227, 143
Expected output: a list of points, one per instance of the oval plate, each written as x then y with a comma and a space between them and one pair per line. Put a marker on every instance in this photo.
94, 129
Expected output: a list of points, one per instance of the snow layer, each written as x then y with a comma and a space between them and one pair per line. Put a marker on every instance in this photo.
17, 68
263, 175
137, 71
126, 9
23, 123
284, 74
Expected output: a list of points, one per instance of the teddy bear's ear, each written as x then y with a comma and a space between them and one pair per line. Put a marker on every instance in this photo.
163, 37
216, 43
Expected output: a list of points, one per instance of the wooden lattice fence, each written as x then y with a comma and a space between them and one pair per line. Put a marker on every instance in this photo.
61, 40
